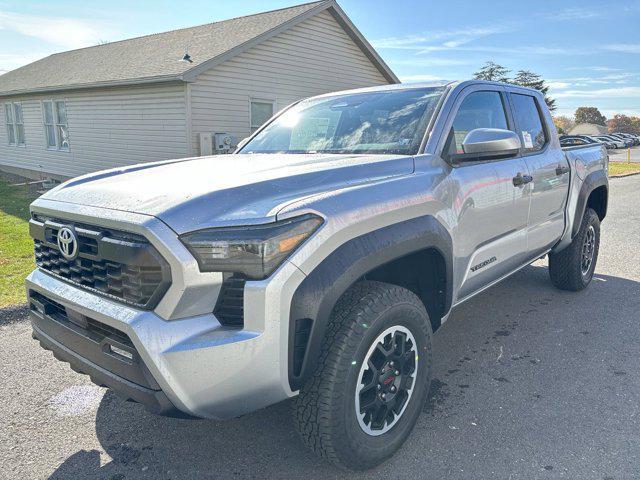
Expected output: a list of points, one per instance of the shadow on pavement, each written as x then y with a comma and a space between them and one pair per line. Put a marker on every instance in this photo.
19, 313
264, 444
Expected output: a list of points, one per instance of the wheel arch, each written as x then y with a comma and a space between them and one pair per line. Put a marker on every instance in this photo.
384, 255
594, 193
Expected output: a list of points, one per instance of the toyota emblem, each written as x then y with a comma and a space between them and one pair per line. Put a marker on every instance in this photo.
67, 243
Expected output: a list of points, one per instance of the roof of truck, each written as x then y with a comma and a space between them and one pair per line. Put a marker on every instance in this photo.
407, 86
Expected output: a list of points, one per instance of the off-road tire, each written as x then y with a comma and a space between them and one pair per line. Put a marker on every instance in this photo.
324, 411
565, 267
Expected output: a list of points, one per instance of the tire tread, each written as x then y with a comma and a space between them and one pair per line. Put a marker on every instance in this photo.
312, 408
564, 266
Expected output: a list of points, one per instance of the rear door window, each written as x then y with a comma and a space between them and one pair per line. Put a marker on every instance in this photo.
529, 122
482, 109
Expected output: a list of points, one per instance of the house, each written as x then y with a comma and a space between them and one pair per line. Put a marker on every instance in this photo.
587, 129
161, 96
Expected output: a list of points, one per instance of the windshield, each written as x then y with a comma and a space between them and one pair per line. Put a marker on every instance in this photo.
384, 122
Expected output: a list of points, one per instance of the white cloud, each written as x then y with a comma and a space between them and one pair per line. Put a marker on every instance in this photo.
619, 92
609, 113
433, 62
452, 38
576, 13
521, 50
421, 78
64, 32
623, 47
10, 61
558, 85
621, 78
595, 69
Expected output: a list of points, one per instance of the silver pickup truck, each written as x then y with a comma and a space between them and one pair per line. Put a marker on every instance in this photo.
317, 261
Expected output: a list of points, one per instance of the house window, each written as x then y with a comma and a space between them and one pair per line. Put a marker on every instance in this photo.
261, 111
55, 124
18, 124
14, 123
8, 120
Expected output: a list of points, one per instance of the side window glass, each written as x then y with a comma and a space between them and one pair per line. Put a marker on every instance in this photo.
529, 123
477, 110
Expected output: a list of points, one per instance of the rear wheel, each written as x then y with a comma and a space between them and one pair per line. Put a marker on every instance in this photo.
372, 378
572, 268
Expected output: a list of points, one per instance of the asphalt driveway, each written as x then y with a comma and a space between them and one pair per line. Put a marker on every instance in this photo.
530, 382
624, 155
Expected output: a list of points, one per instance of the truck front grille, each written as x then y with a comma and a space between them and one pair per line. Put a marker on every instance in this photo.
120, 265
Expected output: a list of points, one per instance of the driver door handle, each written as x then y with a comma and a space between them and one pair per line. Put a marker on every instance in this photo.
520, 180
562, 170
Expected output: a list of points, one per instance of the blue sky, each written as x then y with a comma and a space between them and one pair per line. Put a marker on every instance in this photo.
588, 51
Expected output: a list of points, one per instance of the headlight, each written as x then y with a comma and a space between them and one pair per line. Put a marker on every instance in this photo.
255, 251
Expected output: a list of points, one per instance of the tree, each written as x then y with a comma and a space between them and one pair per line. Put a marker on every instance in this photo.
527, 78
622, 123
563, 124
590, 115
493, 72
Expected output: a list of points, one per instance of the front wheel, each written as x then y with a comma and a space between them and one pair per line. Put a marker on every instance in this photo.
572, 268
372, 379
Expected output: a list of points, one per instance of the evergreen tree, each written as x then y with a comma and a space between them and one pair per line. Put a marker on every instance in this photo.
493, 72
527, 78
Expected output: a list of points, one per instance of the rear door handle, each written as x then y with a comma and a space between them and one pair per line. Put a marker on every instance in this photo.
560, 170
520, 180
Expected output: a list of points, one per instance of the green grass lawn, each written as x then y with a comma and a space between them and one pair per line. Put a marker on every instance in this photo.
623, 168
16, 247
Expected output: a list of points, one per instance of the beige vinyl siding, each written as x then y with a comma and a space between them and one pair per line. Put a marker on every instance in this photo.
316, 56
107, 128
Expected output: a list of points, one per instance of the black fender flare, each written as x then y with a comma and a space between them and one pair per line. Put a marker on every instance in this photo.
315, 297
591, 182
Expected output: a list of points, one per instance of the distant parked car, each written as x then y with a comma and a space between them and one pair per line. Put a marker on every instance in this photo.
573, 140
609, 144
617, 143
627, 141
587, 138
629, 136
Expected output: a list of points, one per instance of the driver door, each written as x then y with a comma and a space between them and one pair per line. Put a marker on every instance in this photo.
491, 212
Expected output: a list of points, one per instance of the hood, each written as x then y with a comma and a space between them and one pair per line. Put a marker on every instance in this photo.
190, 194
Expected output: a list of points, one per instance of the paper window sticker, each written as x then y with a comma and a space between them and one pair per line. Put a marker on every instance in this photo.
528, 141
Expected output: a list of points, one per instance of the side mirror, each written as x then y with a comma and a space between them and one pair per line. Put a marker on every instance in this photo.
490, 142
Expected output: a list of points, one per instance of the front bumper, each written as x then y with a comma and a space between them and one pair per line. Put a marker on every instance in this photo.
98, 358
192, 365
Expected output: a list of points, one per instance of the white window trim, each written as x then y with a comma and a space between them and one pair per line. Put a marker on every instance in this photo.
260, 100
11, 125
55, 124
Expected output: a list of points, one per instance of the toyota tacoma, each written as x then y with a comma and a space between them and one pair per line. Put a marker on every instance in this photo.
317, 260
